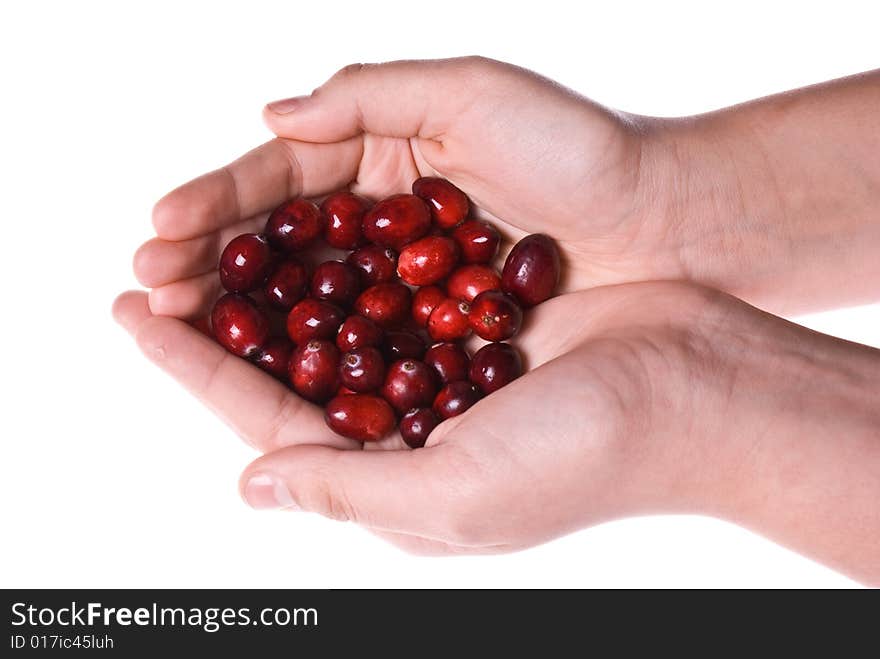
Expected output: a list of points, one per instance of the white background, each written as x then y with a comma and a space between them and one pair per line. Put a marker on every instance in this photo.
110, 475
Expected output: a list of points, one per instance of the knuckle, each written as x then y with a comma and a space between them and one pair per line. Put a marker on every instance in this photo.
349, 71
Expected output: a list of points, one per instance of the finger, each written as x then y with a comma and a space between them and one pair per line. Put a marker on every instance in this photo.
188, 298
255, 183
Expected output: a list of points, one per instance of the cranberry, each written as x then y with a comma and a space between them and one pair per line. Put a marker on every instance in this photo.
469, 281
455, 398
358, 332
397, 221
409, 383
375, 264
274, 358
287, 285
449, 321
362, 417
387, 304
495, 316
344, 391
245, 263
336, 282
427, 261
362, 370
448, 204
416, 425
531, 271
345, 215
294, 225
478, 241
314, 370
424, 302
449, 360
495, 365
239, 325
313, 319
401, 344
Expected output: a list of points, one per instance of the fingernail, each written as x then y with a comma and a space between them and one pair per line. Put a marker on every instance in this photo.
266, 492
287, 105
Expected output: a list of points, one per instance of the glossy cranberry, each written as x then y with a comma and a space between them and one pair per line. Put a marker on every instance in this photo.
397, 221
402, 344
362, 370
336, 282
314, 370
448, 204
531, 271
427, 261
274, 358
477, 241
455, 398
362, 417
409, 383
287, 285
425, 300
345, 216
449, 360
387, 304
358, 332
238, 325
416, 425
495, 365
375, 264
245, 263
294, 225
313, 319
468, 281
495, 316
449, 321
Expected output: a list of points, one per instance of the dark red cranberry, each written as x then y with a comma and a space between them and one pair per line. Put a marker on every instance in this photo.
375, 264
468, 281
287, 285
336, 282
425, 300
401, 344
362, 417
294, 225
495, 316
409, 383
449, 321
387, 304
362, 370
449, 360
314, 370
416, 425
397, 221
478, 241
427, 261
495, 365
245, 263
274, 358
238, 325
358, 332
455, 398
345, 216
531, 271
313, 319
448, 204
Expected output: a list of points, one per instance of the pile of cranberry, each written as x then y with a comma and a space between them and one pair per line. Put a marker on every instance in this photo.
358, 331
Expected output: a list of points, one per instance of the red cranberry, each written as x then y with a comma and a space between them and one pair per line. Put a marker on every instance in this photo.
336, 282
478, 241
400, 344
294, 225
274, 358
416, 425
245, 263
495, 316
397, 221
449, 321
313, 319
358, 332
387, 304
449, 360
362, 417
531, 271
427, 261
469, 281
448, 204
287, 285
409, 383
425, 300
495, 365
362, 370
314, 370
238, 325
455, 398
375, 264
345, 215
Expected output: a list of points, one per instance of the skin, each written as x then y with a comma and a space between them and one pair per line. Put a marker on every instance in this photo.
668, 396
